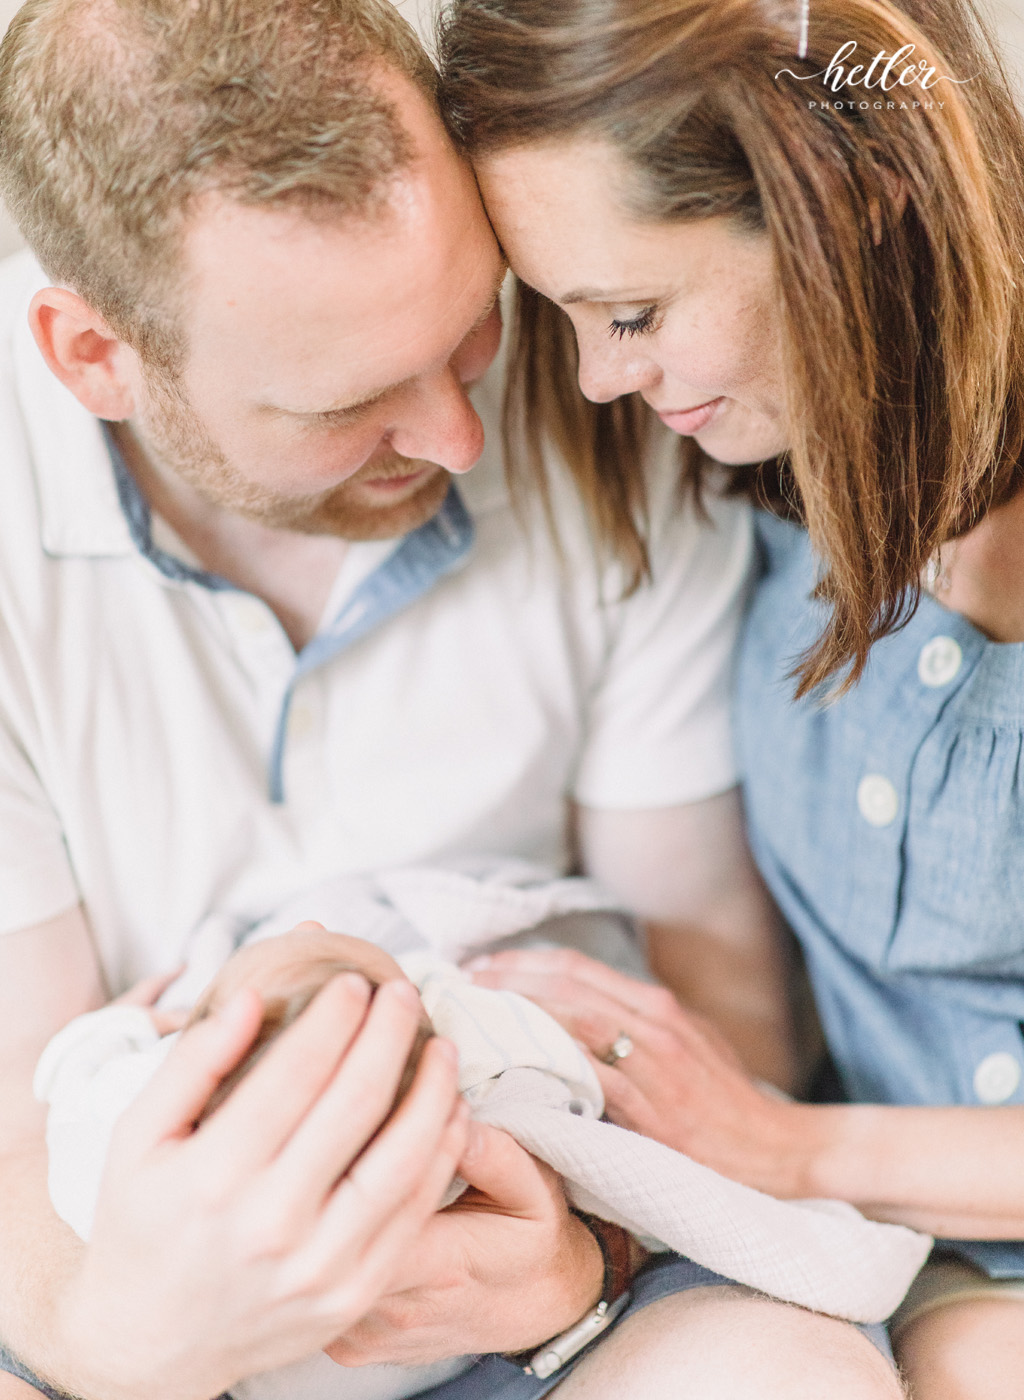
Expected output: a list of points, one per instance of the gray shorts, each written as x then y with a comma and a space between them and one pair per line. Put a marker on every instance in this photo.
494, 1378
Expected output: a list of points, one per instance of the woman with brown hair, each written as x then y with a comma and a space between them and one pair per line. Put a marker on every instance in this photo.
793, 230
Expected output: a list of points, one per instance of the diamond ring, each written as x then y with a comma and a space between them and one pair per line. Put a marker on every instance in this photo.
620, 1047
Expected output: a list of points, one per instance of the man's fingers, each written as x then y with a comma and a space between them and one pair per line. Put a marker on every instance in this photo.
266, 1107
401, 1256
495, 1165
358, 1098
167, 1022
182, 1086
423, 1201
395, 1161
398, 1182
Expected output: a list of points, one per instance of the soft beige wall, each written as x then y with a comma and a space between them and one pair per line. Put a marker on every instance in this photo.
1009, 16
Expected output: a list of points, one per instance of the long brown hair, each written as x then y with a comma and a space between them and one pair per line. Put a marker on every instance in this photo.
898, 240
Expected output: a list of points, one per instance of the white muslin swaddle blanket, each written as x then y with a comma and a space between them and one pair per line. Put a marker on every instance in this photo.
521, 1072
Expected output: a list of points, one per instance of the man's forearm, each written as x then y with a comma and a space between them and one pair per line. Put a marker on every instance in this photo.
38, 1257
48, 975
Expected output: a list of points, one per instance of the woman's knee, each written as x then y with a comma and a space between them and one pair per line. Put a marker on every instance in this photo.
966, 1351
730, 1344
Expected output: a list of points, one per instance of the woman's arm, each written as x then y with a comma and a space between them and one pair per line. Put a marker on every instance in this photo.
956, 1172
953, 1171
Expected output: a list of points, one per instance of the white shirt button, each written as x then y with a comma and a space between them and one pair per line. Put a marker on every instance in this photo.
997, 1077
300, 721
250, 614
878, 800
939, 661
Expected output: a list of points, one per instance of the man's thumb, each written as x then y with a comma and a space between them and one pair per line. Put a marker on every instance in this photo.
495, 1165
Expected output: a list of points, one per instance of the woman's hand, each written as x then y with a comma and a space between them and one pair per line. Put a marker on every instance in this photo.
680, 1083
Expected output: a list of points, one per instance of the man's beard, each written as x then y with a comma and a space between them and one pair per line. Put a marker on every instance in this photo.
170, 429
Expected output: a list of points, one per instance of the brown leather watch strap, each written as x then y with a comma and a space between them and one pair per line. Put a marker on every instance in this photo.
622, 1256
617, 1251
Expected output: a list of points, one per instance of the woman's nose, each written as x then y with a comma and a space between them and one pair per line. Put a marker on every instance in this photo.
609, 371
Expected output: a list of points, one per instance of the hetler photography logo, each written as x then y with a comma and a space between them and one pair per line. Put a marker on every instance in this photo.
894, 74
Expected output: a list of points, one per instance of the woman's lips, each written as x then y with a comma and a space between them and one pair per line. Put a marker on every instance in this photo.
688, 421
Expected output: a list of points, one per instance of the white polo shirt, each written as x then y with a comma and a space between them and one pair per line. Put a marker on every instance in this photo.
166, 758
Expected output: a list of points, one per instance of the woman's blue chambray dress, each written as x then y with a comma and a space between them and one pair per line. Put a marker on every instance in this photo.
890, 829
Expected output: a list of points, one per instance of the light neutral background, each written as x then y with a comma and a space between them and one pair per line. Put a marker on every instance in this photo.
1009, 15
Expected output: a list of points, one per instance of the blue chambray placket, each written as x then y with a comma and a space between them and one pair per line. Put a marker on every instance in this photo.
421, 560
896, 724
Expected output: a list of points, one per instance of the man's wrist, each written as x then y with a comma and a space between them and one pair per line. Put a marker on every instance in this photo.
579, 1269
86, 1361
42, 1341
621, 1254
73, 1365
621, 1257
588, 1272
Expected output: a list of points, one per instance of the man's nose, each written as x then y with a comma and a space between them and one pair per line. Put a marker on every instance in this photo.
440, 424
608, 371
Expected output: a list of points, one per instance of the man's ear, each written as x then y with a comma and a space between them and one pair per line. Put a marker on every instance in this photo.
83, 352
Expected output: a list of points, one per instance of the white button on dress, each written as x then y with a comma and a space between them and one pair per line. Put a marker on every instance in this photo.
877, 800
997, 1077
940, 660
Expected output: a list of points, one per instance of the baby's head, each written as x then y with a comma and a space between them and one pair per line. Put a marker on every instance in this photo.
287, 972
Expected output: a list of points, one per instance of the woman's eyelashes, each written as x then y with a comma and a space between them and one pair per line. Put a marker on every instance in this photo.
641, 324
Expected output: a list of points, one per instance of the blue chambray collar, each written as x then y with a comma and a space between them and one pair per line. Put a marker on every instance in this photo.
139, 518
422, 559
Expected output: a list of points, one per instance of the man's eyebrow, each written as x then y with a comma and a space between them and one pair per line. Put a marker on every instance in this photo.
354, 405
601, 294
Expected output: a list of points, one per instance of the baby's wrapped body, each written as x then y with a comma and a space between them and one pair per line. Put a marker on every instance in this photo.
521, 1072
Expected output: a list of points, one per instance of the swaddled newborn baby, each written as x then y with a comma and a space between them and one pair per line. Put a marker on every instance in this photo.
92, 1070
